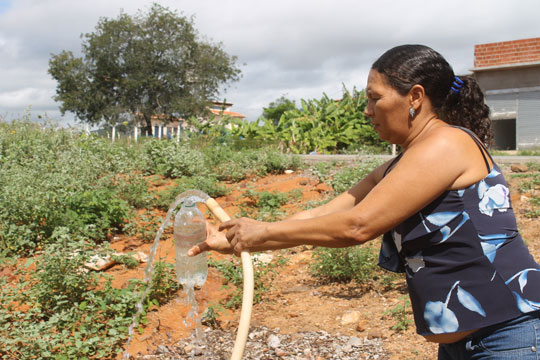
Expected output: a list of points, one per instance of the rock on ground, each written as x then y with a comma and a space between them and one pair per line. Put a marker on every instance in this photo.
266, 344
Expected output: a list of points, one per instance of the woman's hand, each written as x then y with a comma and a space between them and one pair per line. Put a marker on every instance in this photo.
244, 234
215, 241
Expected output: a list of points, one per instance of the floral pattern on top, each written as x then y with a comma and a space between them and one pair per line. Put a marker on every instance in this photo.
460, 253
443, 320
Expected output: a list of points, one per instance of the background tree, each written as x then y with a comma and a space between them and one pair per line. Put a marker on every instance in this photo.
276, 108
144, 65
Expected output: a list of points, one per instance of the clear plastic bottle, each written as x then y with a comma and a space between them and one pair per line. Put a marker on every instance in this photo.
189, 230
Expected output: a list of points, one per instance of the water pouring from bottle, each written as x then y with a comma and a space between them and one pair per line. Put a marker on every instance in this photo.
190, 197
190, 229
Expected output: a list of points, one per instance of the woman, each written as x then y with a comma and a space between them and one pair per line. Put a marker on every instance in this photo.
443, 207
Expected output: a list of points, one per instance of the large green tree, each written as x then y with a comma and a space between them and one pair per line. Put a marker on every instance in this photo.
149, 64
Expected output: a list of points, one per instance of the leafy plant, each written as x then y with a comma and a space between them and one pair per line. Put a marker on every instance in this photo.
96, 212
266, 205
129, 261
145, 227
533, 166
210, 317
324, 125
345, 264
400, 314
530, 185
164, 285
53, 178
58, 310
324, 170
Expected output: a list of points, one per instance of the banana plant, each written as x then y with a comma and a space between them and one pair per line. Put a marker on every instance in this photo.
323, 125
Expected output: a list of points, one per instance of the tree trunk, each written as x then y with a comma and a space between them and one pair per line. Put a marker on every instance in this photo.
147, 129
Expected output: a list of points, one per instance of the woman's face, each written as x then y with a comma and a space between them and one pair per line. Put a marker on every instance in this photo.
388, 109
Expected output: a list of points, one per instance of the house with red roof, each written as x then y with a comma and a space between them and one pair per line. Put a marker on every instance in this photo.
509, 74
172, 129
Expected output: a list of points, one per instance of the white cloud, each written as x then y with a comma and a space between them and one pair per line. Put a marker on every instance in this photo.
299, 48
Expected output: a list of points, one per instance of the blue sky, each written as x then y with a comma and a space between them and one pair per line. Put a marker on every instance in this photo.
297, 48
4, 5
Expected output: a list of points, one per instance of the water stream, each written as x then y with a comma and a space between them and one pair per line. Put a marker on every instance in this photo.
193, 196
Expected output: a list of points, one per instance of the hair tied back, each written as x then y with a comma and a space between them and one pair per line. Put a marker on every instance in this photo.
457, 85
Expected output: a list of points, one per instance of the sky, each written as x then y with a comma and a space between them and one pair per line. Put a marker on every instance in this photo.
299, 49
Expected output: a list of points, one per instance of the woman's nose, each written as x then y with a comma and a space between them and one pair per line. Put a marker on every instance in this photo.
368, 111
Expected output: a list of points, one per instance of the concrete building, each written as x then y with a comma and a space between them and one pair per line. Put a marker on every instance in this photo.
509, 74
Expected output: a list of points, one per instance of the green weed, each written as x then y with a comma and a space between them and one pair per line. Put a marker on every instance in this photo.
399, 314
58, 311
345, 264
349, 176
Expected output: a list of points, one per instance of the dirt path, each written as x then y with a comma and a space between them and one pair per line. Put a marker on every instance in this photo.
296, 304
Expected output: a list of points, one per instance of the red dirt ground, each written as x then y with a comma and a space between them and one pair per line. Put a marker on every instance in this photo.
296, 302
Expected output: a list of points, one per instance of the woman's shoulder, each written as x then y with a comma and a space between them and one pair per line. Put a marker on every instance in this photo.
439, 143
457, 152
447, 135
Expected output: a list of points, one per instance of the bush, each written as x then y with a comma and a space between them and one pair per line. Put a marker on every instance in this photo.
95, 213
52, 178
174, 160
345, 264
58, 311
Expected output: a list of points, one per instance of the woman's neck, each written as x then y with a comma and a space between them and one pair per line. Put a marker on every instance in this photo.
422, 128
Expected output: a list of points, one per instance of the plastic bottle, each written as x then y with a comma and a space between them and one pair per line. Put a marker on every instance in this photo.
189, 230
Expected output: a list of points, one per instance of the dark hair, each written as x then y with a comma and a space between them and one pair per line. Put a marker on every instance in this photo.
407, 65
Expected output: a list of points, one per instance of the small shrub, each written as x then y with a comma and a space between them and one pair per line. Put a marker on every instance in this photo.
164, 285
267, 199
399, 314
533, 165
133, 188
529, 185
171, 159
345, 264
146, 227
266, 205
323, 170
129, 261
96, 213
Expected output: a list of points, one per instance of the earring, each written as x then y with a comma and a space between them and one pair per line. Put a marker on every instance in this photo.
411, 112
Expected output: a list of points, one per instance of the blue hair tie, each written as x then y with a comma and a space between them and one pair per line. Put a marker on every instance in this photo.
457, 85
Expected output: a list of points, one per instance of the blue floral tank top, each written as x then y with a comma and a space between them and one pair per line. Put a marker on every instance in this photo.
466, 265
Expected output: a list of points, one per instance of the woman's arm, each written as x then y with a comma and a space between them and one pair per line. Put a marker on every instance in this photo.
348, 199
426, 170
216, 241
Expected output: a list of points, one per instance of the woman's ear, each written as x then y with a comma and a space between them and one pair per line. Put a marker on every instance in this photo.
417, 95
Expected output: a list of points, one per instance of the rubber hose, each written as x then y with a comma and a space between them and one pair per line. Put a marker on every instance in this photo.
247, 298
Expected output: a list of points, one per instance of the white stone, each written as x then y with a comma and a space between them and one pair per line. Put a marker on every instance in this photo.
273, 341
263, 258
351, 317
355, 341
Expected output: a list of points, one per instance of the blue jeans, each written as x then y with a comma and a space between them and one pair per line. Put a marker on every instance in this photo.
517, 339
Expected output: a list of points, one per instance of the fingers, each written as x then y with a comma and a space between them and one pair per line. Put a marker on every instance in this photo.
227, 224
234, 235
237, 249
199, 248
